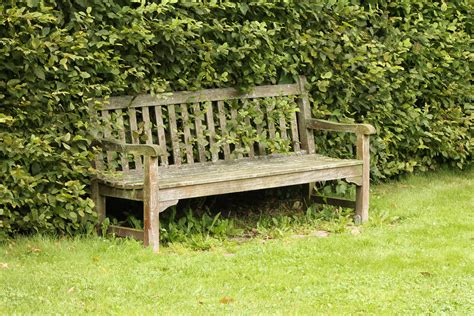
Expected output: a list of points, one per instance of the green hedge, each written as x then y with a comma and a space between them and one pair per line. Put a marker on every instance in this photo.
403, 66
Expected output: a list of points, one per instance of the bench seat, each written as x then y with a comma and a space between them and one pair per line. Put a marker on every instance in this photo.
192, 175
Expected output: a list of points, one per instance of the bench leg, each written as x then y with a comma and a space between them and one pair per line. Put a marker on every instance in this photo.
362, 190
99, 201
151, 205
151, 234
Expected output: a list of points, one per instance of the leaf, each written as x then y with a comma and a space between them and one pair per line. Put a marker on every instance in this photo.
243, 7
226, 300
327, 75
39, 73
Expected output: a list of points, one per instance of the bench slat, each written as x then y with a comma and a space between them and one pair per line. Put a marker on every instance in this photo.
107, 134
187, 134
270, 123
122, 137
294, 132
225, 171
174, 135
201, 96
238, 146
306, 135
223, 126
160, 127
260, 131
283, 127
212, 131
135, 136
251, 149
199, 132
147, 125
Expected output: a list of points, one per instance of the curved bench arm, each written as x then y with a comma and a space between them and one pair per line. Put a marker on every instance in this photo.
364, 129
140, 149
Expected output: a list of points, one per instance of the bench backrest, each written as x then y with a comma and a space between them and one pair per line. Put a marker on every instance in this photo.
214, 124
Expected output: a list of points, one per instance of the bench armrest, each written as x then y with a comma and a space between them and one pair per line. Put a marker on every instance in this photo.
140, 149
364, 129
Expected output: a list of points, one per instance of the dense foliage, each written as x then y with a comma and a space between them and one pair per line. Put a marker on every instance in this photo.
403, 66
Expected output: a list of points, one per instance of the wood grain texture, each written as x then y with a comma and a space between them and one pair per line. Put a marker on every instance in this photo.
151, 204
126, 232
200, 138
365, 129
333, 201
221, 94
174, 135
137, 149
135, 135
239, 184
187, 134
212, 131
160, 129
222, 171
306, 136
223, 126
263, 132
294, 132
121, 132
107, 133
238, 145
147, 125
362, 191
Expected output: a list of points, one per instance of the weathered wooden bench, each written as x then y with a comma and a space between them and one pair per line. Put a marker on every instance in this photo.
191, 144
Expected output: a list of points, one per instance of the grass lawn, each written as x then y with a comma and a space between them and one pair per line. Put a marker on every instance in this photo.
421, 263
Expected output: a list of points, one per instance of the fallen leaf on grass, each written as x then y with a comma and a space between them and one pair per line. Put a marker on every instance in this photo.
71, 290
320, 233
3, 265
35, 250
355, 231
226, 300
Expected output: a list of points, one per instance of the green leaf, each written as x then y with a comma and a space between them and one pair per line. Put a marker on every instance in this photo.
327, 75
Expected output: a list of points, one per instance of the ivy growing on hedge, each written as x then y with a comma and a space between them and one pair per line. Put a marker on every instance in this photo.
404, 66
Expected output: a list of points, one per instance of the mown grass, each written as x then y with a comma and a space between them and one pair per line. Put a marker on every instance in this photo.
414, 256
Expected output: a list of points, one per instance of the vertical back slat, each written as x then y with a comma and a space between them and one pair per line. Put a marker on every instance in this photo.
270, 124
251, 149
147, 125
294, 133
306, 135
107, 134
199, 132
122, 137
135, 137
282, 123
174, 135
261, 147
187, 133
238, 146
223, 125
160, 127
212, 131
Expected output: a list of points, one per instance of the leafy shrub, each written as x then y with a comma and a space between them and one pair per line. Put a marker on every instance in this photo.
403, 66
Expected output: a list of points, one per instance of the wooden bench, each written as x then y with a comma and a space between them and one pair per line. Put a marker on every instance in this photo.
191, 144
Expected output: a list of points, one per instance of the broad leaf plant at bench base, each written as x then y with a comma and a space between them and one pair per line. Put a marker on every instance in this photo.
191, 144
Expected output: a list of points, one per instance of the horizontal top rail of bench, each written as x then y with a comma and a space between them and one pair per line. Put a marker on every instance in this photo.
220, 94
